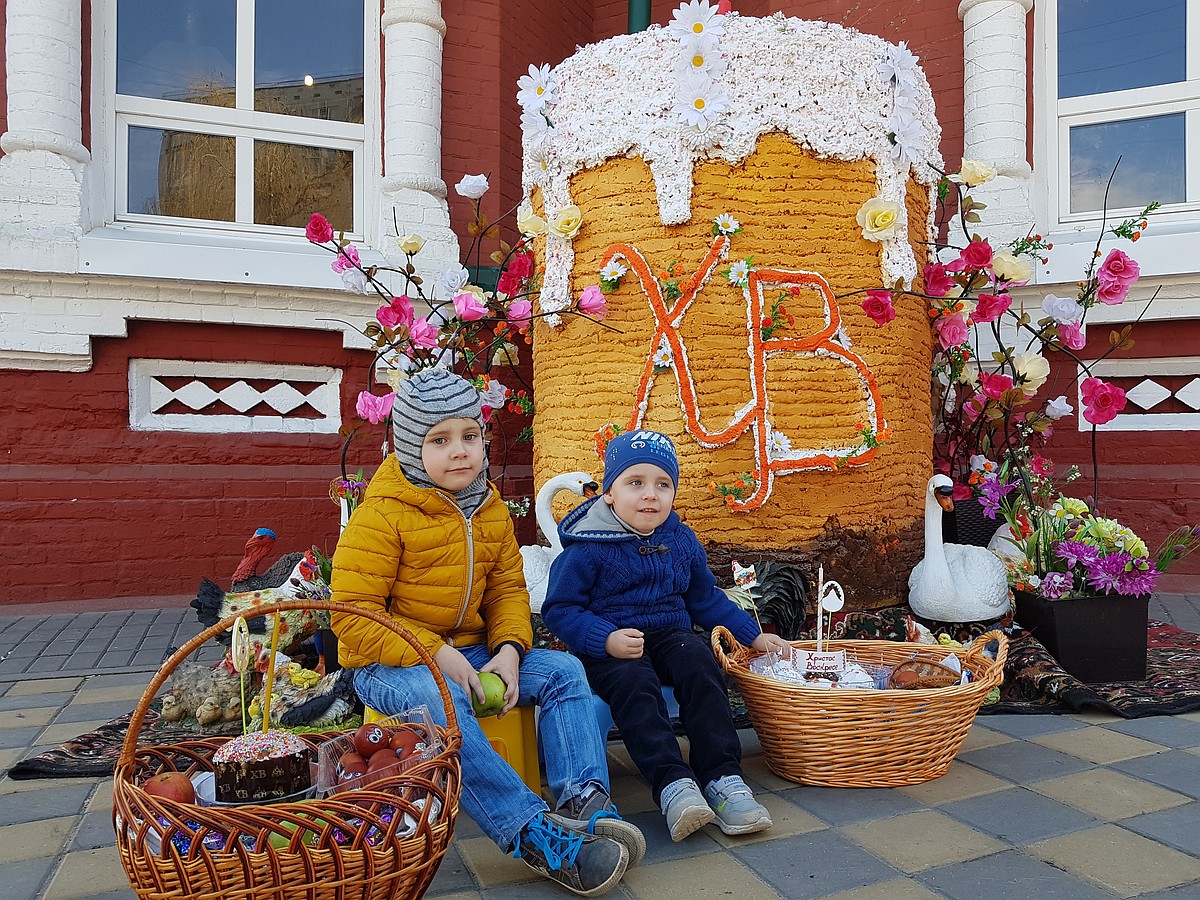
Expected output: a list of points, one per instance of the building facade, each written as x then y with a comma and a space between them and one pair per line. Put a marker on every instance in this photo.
176, 361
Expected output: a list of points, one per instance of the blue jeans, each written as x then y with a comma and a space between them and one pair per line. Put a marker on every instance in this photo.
492, 793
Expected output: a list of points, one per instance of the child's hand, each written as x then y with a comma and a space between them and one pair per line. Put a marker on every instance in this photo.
455, 667
507, 664
624, 643
771, 643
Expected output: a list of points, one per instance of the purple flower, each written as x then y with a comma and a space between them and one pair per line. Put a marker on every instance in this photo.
1107, 570
993, 491
1056, 585
1137, 581
1076, 552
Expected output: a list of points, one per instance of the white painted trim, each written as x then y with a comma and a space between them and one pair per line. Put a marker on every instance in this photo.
1143, 367
144, 393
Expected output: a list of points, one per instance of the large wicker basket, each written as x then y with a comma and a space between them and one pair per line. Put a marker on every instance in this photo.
378, 843
861, 738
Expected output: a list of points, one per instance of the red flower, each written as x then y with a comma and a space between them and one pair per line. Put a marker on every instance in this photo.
521, 265
994, 385
1102, 401
318, 229
937, 282
977, 255
878, 305
990, 307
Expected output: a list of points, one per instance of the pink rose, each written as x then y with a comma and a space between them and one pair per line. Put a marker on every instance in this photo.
952, 331
422, 334
398, 312
347, 258
468, 307
962, 491
1040, 465
977, 255
520, 310
521, 265
592, 302
937, 282
374, 409
990, 307
1071, 336
878, 305
510, 284
1112, 292
1101, 401
1118, 266
994, 385
318, 229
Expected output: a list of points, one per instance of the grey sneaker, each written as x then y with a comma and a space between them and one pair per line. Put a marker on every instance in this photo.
737, 812
685, 809
595, 813
584, 864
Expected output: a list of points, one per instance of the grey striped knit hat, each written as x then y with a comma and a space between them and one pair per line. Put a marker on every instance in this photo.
429, 397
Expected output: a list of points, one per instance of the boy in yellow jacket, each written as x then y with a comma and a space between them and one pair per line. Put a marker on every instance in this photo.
432, 545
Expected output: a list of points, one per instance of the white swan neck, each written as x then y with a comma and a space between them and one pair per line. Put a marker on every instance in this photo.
935, 550
545, 518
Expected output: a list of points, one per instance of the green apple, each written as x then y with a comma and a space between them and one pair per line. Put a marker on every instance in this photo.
493, 691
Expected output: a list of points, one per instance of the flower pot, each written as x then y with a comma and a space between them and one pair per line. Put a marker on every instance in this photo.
1096, 639
968, 525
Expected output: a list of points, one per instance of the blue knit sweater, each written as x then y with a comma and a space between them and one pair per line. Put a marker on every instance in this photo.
607, 578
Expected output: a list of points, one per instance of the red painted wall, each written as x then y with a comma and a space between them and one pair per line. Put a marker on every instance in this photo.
98, 510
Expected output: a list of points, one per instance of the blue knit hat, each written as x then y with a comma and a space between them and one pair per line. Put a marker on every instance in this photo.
635, 447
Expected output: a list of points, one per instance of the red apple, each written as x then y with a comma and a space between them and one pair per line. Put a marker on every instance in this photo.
171, 786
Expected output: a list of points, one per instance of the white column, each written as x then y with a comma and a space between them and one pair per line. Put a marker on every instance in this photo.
994, 103
44, 163
412, 186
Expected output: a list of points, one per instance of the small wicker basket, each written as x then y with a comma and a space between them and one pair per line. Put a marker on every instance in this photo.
846, 737
378, 843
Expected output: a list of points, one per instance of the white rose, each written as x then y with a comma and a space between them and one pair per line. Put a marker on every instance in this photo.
453, 279
1062, 309
565, 223
879, 219
1033, 370
1058, 408
978, 462
411, 243
974, 172
1011, 268
472, 186
530, 223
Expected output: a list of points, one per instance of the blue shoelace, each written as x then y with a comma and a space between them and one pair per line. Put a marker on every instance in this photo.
558, 845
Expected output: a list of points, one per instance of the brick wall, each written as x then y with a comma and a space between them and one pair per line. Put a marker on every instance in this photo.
99, 510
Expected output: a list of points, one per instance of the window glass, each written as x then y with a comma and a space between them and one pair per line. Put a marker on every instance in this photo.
179, 173
1112, 45
1152, 167
181, 50
291, 182
308, 58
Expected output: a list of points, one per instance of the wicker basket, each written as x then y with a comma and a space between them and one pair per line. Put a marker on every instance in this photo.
378, 843
844, 737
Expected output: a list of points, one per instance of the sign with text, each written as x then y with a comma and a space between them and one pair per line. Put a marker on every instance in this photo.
827, 661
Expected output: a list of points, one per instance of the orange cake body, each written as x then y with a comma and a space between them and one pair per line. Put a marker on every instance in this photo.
803, 428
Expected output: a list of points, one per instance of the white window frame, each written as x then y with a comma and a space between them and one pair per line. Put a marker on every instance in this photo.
1170, 242
123, 243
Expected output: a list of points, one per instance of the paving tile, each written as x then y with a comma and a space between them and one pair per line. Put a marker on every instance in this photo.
1179, 827
23, 880
27, 718
841, 806
29, 785
10, 756
619, 761
86, 873
452, 875
44, 686
980, 737
1118, 860
897, 889
660, 847
1027, 726
490, 866
58, 733
1176, 770
786, 819
458, 895
813, 865
127, 894
1094, 716
1183, 892
1108, 795
921, 840
1019, 816
105, 711
542, 889
464, 827
94, 692
1098, 745
1166, 730
95, 831
714, 875
15, 808
1022, 762
32, 840
631, 794
34, 701
49, 663
19, 737
102, 798
1009, 874
960, 782
760, 776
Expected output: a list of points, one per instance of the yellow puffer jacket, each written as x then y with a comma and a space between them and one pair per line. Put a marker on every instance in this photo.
448, 580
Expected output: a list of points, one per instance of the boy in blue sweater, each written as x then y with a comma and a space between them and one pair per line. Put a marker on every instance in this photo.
623, 594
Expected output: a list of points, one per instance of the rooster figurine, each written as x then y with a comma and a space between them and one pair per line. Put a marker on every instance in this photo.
246, 576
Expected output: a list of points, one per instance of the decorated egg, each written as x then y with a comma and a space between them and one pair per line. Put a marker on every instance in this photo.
369, 738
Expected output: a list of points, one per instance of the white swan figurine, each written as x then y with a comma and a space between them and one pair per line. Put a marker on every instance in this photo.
537, 557
954, 582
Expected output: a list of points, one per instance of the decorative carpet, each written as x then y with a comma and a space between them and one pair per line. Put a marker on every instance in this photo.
1033, 683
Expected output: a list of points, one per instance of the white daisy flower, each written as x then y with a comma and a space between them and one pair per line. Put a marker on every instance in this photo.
536, 129
900, 65
910, 136
613, 271
727, 224
739, 272
700, 55
780, 444
697, 18
662, 356
537, 88
699, 102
